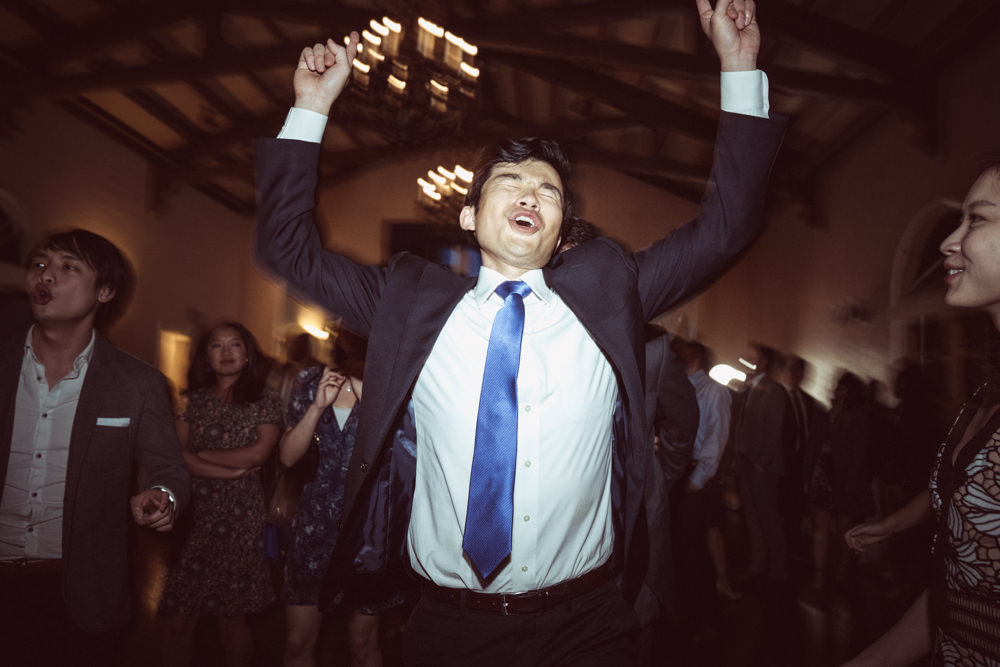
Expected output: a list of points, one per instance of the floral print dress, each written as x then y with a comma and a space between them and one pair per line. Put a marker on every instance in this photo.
314, 531
965, 496
220, 570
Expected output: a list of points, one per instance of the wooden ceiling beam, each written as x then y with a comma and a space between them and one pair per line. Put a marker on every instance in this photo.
499, 37
651, 110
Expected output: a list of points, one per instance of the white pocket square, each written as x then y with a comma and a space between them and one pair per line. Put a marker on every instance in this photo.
120, 422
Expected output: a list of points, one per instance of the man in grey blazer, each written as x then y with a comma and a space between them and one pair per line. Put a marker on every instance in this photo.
559, 595
78, 419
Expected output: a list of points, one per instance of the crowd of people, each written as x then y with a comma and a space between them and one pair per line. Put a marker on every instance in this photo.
571, 460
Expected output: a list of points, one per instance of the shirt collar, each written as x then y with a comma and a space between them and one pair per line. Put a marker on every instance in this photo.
490, 279
82, 360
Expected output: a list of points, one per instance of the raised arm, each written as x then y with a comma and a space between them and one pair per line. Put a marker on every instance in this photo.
296, 439
287, 242
322, 74
732, 28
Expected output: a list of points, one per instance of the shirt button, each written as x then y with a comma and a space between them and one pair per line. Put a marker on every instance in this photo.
38, 456
527, 464
527, 408
44, 415
364, 466
34, 494
524, 568
30, 529
527, 518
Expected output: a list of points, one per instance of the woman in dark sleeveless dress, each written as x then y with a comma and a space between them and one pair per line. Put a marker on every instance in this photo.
958, 616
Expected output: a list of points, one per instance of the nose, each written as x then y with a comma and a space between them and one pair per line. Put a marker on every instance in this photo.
953, 241
47, 275
528, 199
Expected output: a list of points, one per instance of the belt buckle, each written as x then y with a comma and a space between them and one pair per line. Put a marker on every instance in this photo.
504, 604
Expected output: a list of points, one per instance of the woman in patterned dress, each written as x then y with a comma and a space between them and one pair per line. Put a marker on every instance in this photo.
227, 431
958, 616
322, 420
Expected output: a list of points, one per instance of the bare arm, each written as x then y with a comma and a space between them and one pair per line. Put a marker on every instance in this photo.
198, 466
248, 456
906, 517
295, 441
904, 643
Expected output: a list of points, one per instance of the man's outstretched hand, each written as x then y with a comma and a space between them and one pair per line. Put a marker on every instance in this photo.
732, 28
322, 74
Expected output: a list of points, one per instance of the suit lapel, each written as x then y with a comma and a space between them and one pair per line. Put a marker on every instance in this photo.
94, 399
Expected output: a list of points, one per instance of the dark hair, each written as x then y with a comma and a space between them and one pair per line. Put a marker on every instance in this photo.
854, 388
516, 151
249, 385
574, 232
704, 355
768, 355
113, 270
349, 353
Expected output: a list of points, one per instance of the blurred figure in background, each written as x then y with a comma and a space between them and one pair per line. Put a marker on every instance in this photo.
322, 423
227, 431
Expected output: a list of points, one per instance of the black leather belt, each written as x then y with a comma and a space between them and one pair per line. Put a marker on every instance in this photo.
531, 602
23, 567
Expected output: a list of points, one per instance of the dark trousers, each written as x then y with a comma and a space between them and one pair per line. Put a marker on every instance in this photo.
597, 629
36, 629
759, 492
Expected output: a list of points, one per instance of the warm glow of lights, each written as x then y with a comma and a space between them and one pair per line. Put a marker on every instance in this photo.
459, 189
392, 25
433, 194
382, 30
371, 38
724, 374
461, 43
746, 363
469, 70
396, 84
425, 185
375, 55
437, 178
430, 27
463, 173
438, 87
361, 66
314, 331
450, 175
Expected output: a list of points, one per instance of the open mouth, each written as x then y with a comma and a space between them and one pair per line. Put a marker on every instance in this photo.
524, 222
42, 296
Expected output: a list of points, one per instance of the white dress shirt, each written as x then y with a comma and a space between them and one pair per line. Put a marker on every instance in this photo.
715, 412
31, 511
566, 392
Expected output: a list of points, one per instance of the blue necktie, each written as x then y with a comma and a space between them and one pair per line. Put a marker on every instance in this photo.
490, 514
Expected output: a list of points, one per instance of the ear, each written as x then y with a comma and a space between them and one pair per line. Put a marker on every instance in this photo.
105, 294
467, 219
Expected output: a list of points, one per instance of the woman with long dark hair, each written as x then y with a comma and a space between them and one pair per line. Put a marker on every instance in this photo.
228, 429
958, 616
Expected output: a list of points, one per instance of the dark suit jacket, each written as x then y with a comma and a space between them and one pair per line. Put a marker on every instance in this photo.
764, 426
99, 474
402, 307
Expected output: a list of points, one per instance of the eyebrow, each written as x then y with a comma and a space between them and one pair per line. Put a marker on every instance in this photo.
517, 177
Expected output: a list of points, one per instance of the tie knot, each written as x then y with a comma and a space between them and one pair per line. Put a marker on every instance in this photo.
518, 287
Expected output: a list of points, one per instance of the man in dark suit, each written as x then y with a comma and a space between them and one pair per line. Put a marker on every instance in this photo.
763, 426
582, 450
78, 417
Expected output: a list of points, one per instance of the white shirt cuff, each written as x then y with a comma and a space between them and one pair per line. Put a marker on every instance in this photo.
304, 125
745, 93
